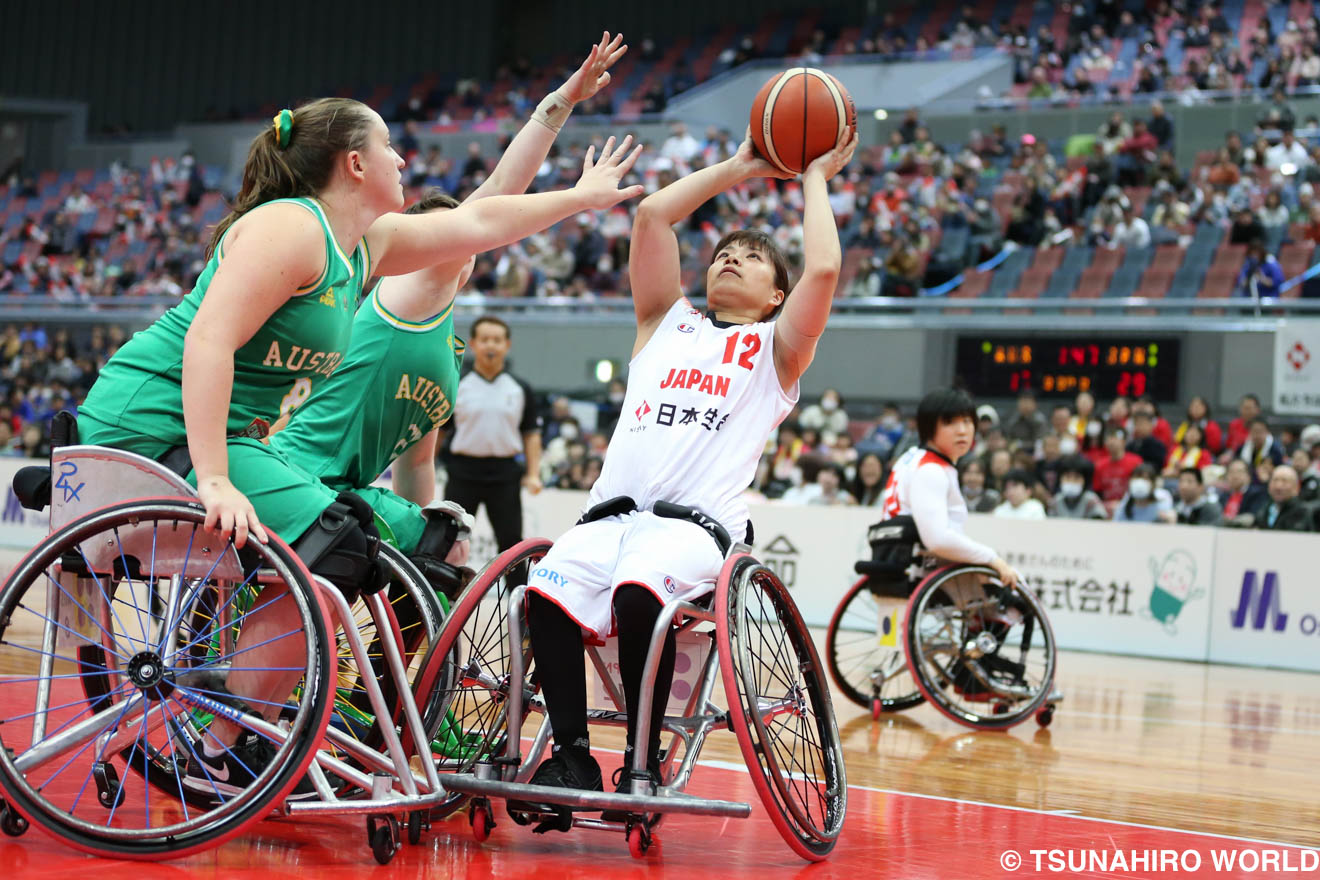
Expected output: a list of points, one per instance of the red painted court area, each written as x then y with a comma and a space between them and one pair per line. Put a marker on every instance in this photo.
887, 834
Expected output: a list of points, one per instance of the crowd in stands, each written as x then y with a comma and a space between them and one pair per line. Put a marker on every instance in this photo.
44, 370
92, 235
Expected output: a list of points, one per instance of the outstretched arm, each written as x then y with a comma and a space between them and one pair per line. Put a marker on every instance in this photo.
407, 242
808, 307
653, 256
517, 167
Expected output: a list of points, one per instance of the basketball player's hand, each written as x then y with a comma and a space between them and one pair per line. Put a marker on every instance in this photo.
229, 512
832, 163
594, 74
532, 483
599, 183
1007, 576
751, 164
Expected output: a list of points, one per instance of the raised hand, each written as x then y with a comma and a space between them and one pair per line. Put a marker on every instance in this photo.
599, 183
831, 163
594, 74
752, 164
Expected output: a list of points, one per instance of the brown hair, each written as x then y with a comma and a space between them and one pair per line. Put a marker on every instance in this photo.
491, 319
322, 130
758, 241
432, 199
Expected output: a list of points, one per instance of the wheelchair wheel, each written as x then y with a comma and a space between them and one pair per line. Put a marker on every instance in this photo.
780, 707
982, 654
96, 622
466, 674
865, 650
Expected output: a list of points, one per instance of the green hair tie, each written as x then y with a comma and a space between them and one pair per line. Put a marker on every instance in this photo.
283, 127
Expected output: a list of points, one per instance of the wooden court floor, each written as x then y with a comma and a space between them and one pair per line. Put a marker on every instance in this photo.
1152, 749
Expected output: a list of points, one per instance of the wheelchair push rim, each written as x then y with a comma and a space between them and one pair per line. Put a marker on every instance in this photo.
981, 653
780, 708
855, 645
108, 569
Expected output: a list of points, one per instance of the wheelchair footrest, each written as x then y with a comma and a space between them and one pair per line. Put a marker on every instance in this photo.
466, 783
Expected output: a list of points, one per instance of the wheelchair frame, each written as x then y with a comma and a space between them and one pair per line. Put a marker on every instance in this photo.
505, 776
923, 574
390, 784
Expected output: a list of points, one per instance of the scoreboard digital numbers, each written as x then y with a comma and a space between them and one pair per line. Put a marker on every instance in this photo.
1002, 366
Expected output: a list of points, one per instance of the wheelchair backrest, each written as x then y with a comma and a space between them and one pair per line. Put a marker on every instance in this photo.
894, 541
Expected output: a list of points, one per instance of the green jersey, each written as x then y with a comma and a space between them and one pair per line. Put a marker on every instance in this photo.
396, 385
299, 346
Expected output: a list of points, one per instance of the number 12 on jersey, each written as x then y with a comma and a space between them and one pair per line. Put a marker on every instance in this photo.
751, 345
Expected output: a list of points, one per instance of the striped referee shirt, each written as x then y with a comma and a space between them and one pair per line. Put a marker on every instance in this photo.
490, 418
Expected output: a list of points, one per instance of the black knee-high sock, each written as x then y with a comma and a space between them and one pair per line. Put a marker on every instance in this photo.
561, 669
635, 611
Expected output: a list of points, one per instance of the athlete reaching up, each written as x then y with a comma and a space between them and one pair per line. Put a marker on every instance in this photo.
704, 392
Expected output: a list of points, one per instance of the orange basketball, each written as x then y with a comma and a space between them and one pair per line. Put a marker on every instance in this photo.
801, 114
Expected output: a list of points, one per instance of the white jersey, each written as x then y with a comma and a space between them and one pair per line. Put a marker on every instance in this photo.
701, 401
924, 485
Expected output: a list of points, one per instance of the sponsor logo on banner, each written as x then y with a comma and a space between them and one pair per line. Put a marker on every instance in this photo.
1265, 612
1297, 367
1175, 586
1259, 608
781, 557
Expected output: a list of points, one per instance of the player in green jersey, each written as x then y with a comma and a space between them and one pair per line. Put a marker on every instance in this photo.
313, 219
396, 386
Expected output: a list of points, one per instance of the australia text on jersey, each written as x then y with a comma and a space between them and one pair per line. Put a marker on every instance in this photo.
426, 394
299, 359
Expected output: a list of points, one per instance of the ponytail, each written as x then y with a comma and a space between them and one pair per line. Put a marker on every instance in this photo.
295, 156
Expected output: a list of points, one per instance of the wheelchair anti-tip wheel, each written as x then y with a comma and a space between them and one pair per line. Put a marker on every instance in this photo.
780, 707
110, 690
864, 645
466, 675
982, 654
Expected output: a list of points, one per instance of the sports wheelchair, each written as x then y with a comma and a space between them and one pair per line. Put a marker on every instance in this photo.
121, 634
757, 648
913, 629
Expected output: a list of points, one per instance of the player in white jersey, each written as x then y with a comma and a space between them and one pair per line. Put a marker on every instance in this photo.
704, 393
924, 482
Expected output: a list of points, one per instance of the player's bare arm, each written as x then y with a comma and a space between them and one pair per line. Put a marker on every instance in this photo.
808, 308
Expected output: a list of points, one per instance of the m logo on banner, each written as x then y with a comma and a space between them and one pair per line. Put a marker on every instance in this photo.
1262, 605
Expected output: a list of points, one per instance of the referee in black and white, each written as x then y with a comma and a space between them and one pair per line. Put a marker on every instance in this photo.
495, 421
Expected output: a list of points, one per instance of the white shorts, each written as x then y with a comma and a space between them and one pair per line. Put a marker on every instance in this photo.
675, 559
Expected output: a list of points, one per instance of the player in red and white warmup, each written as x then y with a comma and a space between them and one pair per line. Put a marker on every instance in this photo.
704, 393
924, 482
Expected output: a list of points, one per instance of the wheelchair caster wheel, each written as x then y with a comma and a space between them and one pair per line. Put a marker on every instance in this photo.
109, 788
417, 823
639, 840
383, 836
877, 708
481, 822
11, 823
1045, 716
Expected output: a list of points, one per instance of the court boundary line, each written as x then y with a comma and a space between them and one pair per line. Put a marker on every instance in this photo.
730, 765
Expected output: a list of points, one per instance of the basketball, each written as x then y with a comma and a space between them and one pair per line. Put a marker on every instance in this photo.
800, 114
